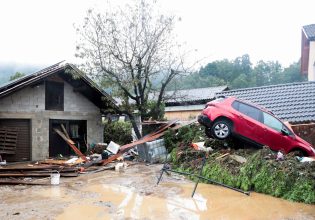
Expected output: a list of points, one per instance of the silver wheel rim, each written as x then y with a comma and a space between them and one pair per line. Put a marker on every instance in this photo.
221, 130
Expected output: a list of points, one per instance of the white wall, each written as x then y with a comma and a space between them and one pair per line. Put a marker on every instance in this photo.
311, 62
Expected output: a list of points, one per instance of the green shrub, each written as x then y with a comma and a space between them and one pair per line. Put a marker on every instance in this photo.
185, 136
285, 179
303, 190
118, 131
288, 179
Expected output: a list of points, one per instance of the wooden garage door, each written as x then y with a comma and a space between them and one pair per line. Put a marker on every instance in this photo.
23, 147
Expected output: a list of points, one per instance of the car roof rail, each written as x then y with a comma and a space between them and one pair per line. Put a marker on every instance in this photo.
220, 96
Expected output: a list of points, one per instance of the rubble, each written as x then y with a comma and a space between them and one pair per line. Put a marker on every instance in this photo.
244, 167
113, 147
80, 164
238, 158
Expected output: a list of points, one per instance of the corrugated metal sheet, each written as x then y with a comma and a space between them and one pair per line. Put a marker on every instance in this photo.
23, 148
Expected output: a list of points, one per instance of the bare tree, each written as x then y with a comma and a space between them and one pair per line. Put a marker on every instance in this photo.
128, 48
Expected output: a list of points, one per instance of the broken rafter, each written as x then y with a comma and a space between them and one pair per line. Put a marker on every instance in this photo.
71, 144
150, 137
64, 131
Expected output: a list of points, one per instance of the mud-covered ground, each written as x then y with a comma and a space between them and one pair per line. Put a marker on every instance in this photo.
133, 194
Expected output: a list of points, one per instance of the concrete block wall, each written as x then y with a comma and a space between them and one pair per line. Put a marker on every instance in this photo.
29, 103
29, 99
40, 137
76, 102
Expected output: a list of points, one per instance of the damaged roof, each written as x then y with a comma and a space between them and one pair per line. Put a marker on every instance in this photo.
191, 95
71, 75
293, 102
309, 31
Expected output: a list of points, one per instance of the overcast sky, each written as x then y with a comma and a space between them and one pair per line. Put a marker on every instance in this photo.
41, 31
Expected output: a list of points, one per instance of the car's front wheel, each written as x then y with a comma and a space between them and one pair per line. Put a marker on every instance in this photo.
221, 129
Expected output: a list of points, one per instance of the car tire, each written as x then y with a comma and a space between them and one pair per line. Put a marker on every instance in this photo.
221, 129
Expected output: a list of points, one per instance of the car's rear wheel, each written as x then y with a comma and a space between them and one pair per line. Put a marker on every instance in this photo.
221, 129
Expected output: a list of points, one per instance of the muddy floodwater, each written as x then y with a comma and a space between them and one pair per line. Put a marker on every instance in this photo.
133, 194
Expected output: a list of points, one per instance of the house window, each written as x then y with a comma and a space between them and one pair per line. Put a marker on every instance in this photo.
54, 96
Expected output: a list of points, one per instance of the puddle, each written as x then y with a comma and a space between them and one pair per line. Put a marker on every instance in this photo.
210, 202
134, 195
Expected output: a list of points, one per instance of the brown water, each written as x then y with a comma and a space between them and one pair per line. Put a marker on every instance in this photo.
134, 195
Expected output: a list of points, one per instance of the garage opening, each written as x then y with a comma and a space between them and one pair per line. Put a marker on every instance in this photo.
77, 130
15, 140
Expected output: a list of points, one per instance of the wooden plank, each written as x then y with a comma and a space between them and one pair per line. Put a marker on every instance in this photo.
10, 136
8, 144
8, 140
22, 168
71, 144
221, 156
65, 131
5, 175
7, 152
61, 162
20, 182
10, 147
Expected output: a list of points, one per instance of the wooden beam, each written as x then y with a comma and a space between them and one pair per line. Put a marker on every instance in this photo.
71, 144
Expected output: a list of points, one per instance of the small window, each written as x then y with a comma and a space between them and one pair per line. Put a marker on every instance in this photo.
235, 105
54, 96
248, 110
272, 122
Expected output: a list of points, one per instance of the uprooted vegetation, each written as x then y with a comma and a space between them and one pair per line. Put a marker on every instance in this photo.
288, 178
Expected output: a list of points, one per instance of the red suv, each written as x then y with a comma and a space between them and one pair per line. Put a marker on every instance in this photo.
225, 117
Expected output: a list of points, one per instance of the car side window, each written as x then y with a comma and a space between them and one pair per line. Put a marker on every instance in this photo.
272, 122
235, 105
248, 110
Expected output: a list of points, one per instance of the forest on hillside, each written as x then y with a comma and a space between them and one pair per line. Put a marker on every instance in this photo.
239, 73
8, 70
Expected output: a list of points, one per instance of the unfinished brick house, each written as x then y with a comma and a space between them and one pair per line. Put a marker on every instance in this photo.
32, 106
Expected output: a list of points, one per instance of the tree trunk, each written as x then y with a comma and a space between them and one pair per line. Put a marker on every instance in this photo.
135, 126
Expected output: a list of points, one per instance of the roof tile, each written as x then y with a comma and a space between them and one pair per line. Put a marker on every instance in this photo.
309, 31
189, 95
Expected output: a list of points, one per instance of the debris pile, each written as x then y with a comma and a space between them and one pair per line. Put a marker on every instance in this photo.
260, 170
100, 159
25, 173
